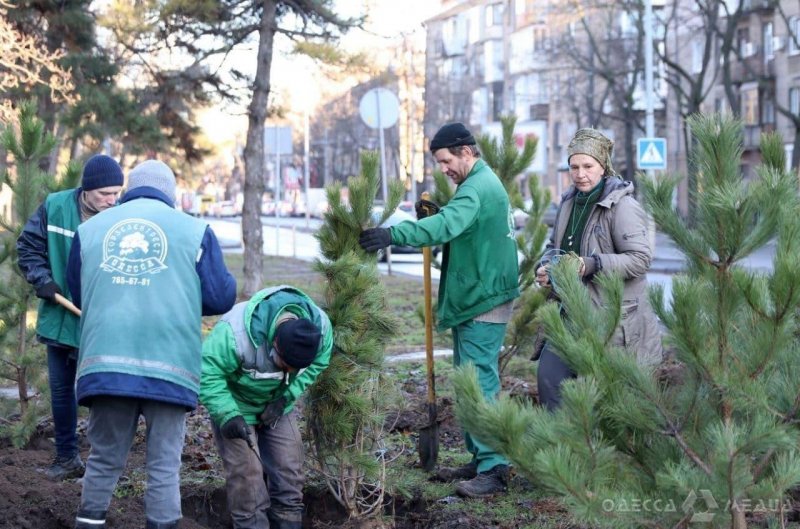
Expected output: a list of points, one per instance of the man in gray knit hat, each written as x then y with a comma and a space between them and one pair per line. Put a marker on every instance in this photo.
144, 274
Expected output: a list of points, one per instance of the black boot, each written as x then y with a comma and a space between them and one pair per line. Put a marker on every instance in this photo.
65, 468
468, 471
90, 520
285, 520
485, 483
162, 525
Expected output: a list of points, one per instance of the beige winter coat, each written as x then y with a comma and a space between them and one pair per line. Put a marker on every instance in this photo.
616, 233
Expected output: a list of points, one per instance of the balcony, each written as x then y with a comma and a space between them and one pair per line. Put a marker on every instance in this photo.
752, 134
752, 68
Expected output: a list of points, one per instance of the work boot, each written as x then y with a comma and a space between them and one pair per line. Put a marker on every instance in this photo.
468, 471
90, 520
162, 525
65, 468
485, 484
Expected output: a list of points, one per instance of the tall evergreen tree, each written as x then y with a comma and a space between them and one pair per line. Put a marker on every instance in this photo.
716, 443
346, 404
21, 360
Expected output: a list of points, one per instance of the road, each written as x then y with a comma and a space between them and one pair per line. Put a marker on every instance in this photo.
294, 238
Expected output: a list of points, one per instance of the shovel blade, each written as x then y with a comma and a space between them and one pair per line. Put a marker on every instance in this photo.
429, 440
429, 446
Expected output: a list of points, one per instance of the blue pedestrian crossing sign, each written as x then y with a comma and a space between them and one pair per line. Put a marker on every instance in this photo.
651, 153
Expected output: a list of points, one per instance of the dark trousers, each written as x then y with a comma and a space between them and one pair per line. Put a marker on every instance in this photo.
274, 490
551, 373
62, 362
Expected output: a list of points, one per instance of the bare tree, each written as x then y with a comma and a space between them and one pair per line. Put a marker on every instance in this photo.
607, 54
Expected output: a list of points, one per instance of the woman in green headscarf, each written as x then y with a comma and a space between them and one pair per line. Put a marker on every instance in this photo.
600, 221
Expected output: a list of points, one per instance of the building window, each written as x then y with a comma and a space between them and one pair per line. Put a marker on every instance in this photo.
494, 15
794, 101
750, 106
698, 48
768, 42
497, 100
493, 57
540, 39
743, 42
767, 112
794, 35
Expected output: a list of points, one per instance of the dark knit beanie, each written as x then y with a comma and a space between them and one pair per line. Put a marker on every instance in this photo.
452, 135
155, 174
101, 171
298, 342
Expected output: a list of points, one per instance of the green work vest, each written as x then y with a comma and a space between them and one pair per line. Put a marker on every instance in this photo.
140, 293
54, 321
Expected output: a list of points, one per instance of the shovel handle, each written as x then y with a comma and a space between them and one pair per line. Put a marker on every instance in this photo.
67, 304
426, 264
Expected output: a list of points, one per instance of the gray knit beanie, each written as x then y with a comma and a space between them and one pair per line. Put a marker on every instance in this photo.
155, 174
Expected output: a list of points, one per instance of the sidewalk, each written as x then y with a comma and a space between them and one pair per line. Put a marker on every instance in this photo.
668, 259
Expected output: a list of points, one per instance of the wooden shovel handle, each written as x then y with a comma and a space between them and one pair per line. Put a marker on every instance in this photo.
67, 304
426, 264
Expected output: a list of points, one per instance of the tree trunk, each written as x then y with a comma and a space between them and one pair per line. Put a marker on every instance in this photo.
252, 236
22, 371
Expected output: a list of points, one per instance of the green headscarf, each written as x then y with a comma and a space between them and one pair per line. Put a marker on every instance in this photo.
595, 144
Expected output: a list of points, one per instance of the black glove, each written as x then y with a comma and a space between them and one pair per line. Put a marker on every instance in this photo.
48, 291
425, 208
374, 239
273, 412
235, 428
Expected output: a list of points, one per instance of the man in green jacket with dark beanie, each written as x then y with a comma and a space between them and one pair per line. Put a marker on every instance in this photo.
257, 361
479, 280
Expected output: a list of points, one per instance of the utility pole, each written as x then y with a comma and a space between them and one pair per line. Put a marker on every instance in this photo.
649, 120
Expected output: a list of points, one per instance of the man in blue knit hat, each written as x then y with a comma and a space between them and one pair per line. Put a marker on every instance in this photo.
43, 247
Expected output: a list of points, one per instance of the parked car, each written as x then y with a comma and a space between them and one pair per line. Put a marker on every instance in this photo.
396, 218
225, 208
521, 217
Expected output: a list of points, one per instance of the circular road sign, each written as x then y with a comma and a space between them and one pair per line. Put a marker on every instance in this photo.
379, 103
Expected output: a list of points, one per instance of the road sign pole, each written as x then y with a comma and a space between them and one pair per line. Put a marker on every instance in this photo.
277, 195
381, 147
306, 168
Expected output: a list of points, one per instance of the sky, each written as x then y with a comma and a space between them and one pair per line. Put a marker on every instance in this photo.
296, 80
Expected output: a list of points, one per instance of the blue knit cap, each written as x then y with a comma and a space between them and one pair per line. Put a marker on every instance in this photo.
101, 171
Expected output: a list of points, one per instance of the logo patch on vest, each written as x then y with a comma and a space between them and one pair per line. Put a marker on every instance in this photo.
134, 247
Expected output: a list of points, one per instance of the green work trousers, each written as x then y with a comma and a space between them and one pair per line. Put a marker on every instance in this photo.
479, 343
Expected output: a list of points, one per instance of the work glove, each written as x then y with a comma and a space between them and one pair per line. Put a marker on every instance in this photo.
48, 291
236, 428
374, 239
273, 412
425, 208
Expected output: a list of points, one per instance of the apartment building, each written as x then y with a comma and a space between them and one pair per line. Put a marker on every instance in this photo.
559, 66
486, 59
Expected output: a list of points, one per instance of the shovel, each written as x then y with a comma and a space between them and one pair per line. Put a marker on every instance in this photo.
67, 304
429, 435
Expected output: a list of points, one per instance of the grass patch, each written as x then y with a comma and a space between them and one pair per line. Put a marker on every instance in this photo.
404, 296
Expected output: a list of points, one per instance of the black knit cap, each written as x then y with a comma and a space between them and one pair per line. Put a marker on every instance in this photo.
452, 135
298, 342
101, 171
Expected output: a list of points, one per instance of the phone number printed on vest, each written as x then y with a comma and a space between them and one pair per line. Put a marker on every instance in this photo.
134, 247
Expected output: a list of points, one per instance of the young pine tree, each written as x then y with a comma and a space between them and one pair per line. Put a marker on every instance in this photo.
346, 405
21, 360
717, 446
